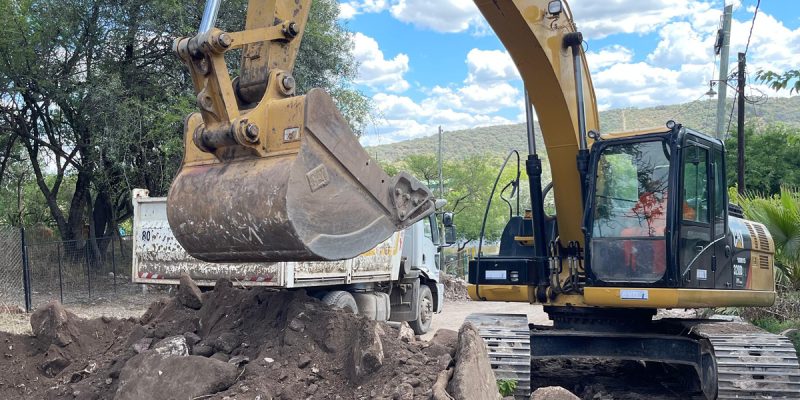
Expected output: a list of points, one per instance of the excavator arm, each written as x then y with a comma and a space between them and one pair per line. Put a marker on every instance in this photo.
269, 175
538, 40
272, 176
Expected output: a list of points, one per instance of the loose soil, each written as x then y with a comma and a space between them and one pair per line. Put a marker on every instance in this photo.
455, 288
285, 345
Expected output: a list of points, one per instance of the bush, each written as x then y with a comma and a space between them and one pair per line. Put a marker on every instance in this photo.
781, 215
506, 387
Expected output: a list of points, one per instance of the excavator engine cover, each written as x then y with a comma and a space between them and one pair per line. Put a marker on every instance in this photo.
316, 196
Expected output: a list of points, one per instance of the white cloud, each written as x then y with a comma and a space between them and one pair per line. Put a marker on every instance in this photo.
598, 19
680, 44
676, 68
349, 9
449, 16
608, 56
681, 64
485, 93
439, 15
486, 66
375, 70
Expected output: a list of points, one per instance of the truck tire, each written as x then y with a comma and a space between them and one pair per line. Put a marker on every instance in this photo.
341, 299
423, 323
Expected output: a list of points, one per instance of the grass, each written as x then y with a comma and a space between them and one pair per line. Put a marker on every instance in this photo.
782, 316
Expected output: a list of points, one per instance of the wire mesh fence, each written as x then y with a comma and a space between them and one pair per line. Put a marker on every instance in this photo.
456, 263
76, 271
12, 290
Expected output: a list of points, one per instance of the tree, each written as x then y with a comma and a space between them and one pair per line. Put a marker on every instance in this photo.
94, 98
772, 157
779, 81
468, 183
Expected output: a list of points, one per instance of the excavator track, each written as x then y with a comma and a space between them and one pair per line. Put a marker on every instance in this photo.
756, 367
508, 342
752, 365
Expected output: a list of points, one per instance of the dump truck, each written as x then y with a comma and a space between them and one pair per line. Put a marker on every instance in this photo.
398, 280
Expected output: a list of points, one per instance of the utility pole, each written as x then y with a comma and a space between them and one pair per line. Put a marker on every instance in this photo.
441, 175
723, 52
442, 267
740, 123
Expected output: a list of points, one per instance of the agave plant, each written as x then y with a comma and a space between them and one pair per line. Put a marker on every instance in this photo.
781, 215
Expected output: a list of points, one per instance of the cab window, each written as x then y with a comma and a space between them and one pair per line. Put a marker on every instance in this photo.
428, 231
630, 212
695, 185
719, 194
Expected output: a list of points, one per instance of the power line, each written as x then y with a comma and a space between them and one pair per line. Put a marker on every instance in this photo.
752, 24
730, 118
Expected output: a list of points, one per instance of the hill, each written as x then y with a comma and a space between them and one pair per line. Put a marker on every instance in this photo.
497, 140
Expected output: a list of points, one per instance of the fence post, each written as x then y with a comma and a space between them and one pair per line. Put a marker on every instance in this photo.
88, 272
60, 274
114, 264
26, 271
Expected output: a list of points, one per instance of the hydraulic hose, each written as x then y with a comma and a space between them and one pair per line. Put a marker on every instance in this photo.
483, 225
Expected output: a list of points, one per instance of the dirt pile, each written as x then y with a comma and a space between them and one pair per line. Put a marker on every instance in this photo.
239, 343
455, 288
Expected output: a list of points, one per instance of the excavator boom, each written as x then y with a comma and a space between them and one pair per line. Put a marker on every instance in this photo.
269, 175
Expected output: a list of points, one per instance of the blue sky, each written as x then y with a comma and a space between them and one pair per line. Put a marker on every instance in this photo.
426, 63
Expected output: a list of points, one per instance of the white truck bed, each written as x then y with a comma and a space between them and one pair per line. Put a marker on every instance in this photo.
158, 258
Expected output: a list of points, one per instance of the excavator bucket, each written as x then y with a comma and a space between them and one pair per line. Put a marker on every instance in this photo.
268, 175
324, 200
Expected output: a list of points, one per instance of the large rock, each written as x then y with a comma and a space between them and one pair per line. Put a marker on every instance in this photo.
472, 375
366, 352
188, 293
53, 324
405, 333
172, 346
152, 376
553, 393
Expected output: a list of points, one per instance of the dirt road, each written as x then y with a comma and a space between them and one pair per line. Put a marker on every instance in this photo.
454, 313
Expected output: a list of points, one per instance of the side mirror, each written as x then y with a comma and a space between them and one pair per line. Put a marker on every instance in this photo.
447, 219
450, 234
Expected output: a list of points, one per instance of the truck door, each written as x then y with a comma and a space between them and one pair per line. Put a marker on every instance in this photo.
430, 243
696, 248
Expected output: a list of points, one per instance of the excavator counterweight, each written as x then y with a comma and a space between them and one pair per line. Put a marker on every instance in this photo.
271, 176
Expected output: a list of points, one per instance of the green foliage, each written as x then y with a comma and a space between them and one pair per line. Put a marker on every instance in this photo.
467, 185
506, 387
94, 101
325, 60
774, 325
789, 79
772, 158
781, 215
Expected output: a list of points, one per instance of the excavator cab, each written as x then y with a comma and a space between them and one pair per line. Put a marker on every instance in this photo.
270, 175
658, 216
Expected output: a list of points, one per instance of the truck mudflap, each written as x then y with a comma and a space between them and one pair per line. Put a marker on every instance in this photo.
439, 298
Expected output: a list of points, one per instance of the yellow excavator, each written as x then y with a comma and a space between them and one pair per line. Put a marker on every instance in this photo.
642, 218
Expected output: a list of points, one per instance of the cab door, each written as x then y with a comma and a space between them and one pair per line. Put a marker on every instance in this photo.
696, 246
725, 273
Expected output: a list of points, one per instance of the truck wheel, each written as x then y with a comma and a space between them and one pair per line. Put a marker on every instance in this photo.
341, 299
423, 323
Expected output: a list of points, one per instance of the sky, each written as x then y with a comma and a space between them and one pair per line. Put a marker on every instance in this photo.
430, 63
